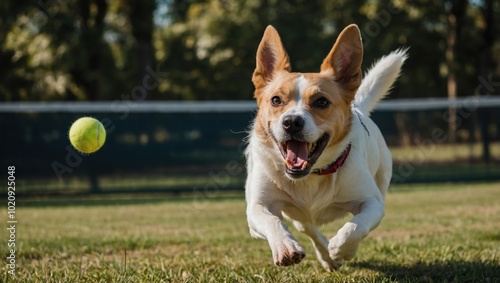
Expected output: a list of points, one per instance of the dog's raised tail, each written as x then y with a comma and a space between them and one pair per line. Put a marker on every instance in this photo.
379, 80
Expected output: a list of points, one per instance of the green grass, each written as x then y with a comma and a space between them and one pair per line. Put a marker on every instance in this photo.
431, 233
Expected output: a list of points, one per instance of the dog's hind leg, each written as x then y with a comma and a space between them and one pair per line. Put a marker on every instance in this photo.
320, 244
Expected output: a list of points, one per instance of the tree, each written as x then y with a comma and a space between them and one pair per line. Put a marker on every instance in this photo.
485, 59
140, 15
455, 14
100, 49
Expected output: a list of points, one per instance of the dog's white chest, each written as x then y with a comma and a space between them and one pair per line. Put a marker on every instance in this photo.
313, 203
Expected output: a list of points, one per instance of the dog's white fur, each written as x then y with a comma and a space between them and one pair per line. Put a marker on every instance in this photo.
378, 81
359, 187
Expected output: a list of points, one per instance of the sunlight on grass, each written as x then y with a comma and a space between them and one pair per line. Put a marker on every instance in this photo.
430, 233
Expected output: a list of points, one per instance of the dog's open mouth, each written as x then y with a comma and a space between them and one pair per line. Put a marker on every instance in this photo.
300, 156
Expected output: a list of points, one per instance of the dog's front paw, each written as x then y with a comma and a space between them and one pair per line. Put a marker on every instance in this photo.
343, 246
288, 252
331, 265
340, 251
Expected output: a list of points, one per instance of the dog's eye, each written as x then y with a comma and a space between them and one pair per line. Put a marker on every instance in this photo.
321, 103
276, 101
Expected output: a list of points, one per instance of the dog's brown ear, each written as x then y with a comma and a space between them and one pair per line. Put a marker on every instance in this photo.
271, 57
345, 58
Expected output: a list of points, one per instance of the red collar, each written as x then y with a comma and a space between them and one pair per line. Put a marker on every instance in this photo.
332, 168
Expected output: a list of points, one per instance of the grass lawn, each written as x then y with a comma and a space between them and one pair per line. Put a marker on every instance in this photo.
431, 233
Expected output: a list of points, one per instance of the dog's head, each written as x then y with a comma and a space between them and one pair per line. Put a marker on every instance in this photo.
302, 115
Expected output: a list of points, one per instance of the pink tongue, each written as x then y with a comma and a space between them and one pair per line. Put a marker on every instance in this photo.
296, 153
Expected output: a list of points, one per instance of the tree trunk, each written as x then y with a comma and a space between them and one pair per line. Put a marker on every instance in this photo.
455, 19
484, 73
141, 19
452, 82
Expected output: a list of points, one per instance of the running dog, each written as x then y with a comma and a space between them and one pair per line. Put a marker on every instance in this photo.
314, 155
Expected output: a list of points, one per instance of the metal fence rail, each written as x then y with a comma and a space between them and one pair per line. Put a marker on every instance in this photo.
182, 147
116, 106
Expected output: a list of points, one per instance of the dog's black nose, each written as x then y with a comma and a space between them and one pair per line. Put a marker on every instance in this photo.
293, 123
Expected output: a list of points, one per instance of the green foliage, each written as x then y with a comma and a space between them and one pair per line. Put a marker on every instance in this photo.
99, 50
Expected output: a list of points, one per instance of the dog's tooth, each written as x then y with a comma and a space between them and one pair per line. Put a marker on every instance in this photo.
304, 165
313, 147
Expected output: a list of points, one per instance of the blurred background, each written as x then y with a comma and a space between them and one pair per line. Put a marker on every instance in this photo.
171, 81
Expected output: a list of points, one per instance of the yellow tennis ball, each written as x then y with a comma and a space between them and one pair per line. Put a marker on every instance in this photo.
87, 135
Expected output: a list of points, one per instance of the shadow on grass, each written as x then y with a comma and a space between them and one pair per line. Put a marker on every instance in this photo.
446, 271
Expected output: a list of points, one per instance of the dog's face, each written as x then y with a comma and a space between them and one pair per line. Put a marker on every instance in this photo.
303, 115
